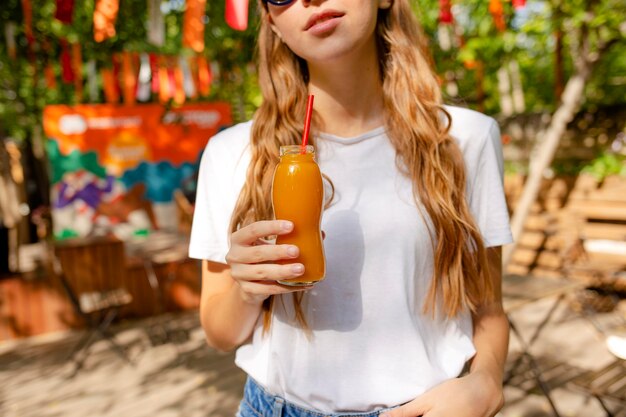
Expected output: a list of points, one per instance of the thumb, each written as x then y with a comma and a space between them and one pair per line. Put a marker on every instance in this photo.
413, 408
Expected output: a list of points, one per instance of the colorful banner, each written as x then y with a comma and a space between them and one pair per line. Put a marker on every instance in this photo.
113, 168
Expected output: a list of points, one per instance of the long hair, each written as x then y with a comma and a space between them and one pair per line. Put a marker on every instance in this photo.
418, 128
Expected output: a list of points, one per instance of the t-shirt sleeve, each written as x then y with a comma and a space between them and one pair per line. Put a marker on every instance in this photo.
487, 199
211, 219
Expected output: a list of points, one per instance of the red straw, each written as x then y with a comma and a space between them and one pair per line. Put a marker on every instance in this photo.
307, 122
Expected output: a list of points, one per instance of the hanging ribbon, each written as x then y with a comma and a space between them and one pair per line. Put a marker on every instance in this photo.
115, 59
9, 35
193, 27
129, 82
77, 68
154, 69
110, 86
171, 78
156, 23
104, 19
48, 72
445, 12
204, 76
188, 83
164, 81
179, 78
518, 4
64, 11
92, 81
497, 12
143, 81
27, 9
237, 14
67, 71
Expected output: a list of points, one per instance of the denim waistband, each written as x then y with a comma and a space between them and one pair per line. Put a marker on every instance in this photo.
264, 404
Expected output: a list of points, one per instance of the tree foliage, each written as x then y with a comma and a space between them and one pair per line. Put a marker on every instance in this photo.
529, 40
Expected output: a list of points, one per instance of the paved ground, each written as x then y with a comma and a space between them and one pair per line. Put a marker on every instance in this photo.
187, 379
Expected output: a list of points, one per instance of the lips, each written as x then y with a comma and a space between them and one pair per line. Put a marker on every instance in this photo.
318, 18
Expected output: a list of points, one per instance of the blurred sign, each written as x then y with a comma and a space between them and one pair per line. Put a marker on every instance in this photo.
114, 164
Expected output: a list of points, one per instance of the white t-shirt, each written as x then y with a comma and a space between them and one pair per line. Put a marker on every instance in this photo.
372, 347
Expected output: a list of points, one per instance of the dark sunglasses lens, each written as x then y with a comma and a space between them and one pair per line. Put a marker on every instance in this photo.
278, 2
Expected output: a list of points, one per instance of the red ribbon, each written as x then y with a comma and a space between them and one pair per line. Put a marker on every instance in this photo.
518, 4
64, 11
237, 14
27, 9
67, 71
445, 12
154, 71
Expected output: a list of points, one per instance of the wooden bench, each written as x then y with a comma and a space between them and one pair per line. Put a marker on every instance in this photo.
596, 216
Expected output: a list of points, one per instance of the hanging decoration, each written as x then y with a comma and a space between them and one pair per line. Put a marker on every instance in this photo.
204, 76
104, 19
188, 82
110, 86
154, 70
237, 14
445, 12
64, 11
518, 4
143, 80
156, 23
48, 72
129, 82
445, 28
179, 78
77, 69
193, 26
67, 71
164, 81
497, 12
9, 35
27, 9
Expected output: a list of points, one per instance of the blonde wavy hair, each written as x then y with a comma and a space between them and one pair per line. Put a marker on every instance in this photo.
417, 126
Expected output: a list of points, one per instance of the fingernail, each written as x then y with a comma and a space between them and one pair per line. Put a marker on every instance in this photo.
292, 251
286, 225
297, 268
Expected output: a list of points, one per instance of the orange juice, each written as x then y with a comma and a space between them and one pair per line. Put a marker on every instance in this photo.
298, 196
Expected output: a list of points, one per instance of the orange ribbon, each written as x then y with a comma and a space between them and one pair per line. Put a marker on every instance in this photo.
193, 27
104, 19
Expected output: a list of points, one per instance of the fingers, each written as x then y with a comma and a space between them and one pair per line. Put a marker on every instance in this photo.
413, 408
267, 288
266, 272
262, 252
250, 234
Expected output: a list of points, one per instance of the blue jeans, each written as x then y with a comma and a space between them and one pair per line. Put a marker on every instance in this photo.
259, 403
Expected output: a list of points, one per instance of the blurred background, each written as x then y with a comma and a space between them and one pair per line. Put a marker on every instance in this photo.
106, 106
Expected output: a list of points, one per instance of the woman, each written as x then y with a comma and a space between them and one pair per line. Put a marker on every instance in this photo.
413, 231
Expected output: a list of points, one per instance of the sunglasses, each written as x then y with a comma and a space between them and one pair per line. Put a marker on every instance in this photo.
278, 2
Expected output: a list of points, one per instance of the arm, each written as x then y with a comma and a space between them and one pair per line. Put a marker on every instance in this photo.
227, 317
233, 294
480, 392
491, 334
